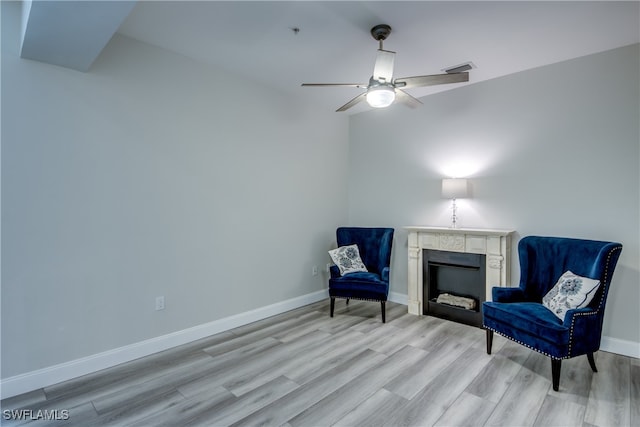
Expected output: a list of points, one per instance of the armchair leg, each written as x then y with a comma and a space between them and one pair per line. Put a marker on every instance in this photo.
333, 305
555, 373
347, 301
489, 340
384, 310
592, 362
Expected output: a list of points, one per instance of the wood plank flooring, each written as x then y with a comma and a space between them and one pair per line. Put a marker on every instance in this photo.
303, 368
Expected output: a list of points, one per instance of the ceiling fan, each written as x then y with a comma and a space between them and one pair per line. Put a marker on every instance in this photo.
382, 89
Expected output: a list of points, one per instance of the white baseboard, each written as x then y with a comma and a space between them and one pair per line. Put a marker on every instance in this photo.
398, 298
622, 347
34, 380
40, 378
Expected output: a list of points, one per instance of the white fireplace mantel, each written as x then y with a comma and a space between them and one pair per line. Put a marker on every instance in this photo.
495, 244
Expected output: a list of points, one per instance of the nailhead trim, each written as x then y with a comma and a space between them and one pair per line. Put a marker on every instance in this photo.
573, 318
602, 296
362, 299
524, 344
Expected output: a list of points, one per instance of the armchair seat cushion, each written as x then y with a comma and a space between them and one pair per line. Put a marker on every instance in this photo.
360, 277
529, 323
363, 285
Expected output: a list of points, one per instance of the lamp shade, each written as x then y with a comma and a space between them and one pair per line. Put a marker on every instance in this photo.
455, 188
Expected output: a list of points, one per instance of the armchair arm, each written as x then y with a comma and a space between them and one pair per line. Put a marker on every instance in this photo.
585, 325
384, 274
334, 271
507, 294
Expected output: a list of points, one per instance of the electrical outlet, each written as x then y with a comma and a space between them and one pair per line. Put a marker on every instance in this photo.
160, 303
314, 270
328, 268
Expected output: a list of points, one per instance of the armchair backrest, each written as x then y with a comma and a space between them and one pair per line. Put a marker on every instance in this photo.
374, 245
544, 259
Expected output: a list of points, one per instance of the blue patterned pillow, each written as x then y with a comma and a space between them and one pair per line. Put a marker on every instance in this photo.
347, 258
570, 291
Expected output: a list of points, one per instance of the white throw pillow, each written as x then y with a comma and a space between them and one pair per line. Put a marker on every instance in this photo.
570, 291
347, 258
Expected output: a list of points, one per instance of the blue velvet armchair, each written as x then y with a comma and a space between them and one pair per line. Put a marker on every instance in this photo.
519, 315
374, 245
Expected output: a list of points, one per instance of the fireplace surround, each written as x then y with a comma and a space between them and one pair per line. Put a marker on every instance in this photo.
493, 244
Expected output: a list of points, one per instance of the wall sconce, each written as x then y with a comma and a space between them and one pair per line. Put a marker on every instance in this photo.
455, 188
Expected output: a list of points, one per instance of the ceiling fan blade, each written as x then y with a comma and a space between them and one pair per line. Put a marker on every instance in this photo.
435, 79
383, 70
406, 99
359, 85
353, 102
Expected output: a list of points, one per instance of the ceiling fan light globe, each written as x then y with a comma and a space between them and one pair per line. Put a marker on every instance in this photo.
380, 96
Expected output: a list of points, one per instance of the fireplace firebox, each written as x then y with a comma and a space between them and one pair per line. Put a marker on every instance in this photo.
454, 285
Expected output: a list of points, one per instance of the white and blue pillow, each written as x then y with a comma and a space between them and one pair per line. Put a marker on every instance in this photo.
348, 260
570, 291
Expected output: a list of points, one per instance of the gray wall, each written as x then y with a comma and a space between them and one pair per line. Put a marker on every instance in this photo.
153, 175
550, 151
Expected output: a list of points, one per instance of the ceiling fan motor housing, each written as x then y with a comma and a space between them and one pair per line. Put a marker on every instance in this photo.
380, 32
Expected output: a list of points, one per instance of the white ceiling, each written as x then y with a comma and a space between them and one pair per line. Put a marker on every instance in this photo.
256, 39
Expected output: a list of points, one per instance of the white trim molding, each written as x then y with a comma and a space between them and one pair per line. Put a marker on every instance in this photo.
622, 347
45, 377
398, 298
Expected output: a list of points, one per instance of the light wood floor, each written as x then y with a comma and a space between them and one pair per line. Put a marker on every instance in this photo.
303, 368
